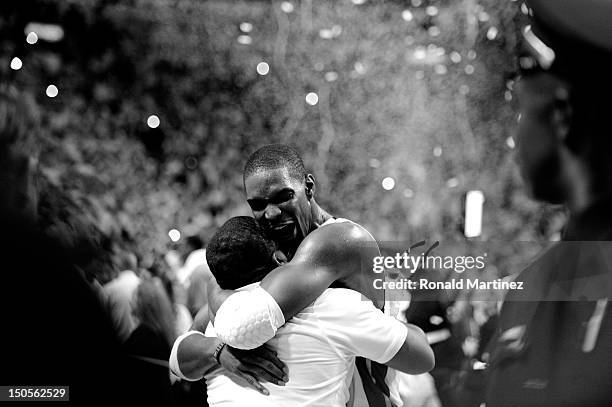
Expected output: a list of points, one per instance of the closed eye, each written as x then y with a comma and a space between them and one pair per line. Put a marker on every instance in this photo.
283, 196
257, 204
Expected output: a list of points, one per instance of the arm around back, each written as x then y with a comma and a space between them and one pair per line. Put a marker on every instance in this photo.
415, 356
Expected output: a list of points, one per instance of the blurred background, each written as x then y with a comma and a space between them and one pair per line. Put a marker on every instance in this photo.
148, 109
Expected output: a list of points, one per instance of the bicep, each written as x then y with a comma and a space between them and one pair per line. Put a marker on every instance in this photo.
415, 355
294, 286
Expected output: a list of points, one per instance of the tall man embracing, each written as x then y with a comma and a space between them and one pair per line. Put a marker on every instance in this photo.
281, 195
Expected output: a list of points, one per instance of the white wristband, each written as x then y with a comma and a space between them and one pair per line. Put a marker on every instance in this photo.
248, 319
174, 363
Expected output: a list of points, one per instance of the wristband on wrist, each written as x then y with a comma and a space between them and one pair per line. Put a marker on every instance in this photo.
217, 352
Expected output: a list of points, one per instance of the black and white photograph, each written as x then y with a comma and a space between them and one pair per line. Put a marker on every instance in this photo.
309, 203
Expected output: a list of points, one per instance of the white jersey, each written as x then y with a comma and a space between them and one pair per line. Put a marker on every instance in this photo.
319, 346
394, 309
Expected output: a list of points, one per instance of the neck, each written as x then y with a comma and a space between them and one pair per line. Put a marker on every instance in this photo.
319, 215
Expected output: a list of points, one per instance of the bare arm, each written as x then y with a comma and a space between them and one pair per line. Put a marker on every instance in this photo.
415, 356
194, 352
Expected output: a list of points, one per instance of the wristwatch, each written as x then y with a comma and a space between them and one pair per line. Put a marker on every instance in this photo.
217, 352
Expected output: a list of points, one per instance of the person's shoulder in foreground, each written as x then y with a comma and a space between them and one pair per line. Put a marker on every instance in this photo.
554, 343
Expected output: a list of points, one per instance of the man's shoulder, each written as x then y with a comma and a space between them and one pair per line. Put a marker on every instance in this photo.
341, 243
341, 231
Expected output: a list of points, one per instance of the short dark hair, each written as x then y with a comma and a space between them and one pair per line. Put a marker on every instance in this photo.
239, 253
274, 156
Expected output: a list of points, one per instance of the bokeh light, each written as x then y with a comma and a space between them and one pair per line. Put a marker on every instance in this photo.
52, 91
263, 68
434, 31
191, 163
492, 33
312, 98
16, 64
174, 235
244, 39
440, 69
331, 76
510, 142
431, 11
483, 16
153, 121
246, 27
388, 183
287, 7
32, 38
360, 68
455, 57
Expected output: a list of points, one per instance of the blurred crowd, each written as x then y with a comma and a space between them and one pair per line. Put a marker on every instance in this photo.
81, 307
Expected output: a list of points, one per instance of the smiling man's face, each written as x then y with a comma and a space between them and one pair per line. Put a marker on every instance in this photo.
280, 205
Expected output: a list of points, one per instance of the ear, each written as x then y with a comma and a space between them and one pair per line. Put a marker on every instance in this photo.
309, 181
280, 258
562, 115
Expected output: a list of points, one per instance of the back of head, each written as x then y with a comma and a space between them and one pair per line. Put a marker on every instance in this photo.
274, 156
573, 40
239, 253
